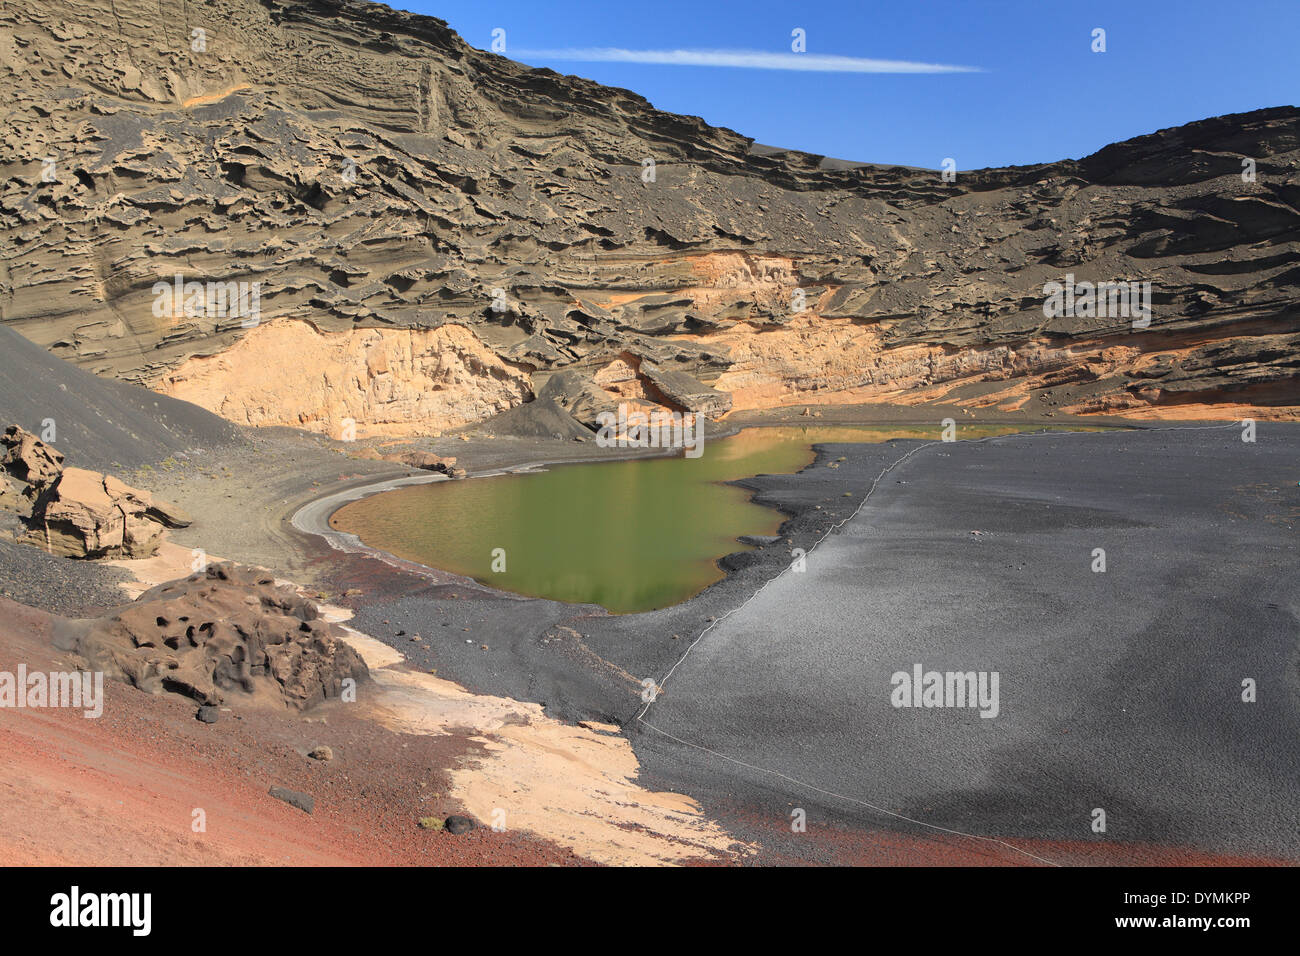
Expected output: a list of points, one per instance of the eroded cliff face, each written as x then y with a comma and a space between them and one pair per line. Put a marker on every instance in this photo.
351, 384
388, 191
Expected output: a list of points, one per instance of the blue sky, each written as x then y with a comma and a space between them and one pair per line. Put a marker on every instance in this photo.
1042, 94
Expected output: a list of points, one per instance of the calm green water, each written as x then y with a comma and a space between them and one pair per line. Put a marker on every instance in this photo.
627, 535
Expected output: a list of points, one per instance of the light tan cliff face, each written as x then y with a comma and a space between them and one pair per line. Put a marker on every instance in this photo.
384, 381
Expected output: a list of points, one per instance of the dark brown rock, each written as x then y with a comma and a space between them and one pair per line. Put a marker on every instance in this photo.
426, 461
456, 824
227, 634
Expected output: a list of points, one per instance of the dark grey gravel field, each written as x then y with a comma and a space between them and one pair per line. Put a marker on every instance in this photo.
59, 585
1119, 690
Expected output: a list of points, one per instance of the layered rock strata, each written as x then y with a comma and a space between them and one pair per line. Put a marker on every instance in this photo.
325, 212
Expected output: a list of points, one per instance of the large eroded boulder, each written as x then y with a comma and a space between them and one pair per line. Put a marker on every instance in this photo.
28, 467
75, 512
225, 635
89, 515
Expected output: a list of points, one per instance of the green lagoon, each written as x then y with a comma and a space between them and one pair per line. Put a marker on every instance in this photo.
627, 535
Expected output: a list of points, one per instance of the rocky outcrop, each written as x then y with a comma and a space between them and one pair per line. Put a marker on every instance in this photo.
428, 461
89, 515
678, 389
226, 635
28, 469
579, 396
75, 512
381, 181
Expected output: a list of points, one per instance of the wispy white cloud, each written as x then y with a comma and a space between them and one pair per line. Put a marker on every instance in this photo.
746, 59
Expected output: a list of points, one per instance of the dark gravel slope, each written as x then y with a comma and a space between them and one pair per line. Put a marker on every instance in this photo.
99, 424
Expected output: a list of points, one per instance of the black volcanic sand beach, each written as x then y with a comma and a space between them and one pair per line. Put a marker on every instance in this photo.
1118, 691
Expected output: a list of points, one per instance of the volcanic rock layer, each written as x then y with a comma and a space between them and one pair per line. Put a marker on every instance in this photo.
329, 212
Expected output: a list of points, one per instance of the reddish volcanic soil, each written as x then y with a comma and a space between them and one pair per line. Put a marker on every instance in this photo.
121, 789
